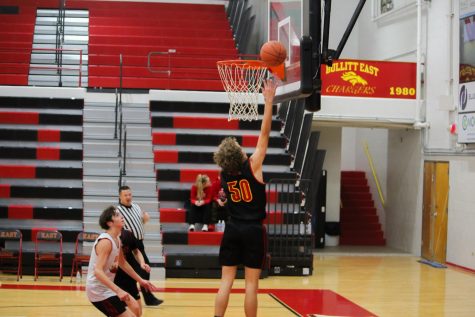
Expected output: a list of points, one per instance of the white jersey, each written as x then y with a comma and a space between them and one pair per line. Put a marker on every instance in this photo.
95, 290
133, 217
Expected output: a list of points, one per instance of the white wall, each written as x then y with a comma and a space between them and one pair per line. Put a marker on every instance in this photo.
404, 191
390, 38
330, 140
461, 224
348, 149
342, 10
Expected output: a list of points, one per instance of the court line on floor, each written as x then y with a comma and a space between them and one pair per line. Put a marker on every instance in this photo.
272, 292
284, 304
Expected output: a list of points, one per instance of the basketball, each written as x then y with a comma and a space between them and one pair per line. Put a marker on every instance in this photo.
273, 53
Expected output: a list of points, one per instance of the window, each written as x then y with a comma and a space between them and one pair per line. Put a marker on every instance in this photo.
392, 8
386, 6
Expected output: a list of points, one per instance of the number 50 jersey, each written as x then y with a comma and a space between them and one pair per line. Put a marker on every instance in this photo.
246, 195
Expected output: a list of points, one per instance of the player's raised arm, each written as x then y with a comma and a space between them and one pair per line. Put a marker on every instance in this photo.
260, 153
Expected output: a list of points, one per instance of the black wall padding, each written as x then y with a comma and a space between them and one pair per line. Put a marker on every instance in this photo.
310, 155
283, 110
289, 121
302, 144
295, 135
319, 218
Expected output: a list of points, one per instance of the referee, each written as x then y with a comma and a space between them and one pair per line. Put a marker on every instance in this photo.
135, 219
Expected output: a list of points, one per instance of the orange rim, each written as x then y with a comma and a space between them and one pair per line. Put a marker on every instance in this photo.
278, 70
253, 63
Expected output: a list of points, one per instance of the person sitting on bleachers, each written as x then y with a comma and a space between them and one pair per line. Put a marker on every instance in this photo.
200, 199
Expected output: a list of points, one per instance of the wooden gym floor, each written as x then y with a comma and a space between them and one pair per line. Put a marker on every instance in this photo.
341, 285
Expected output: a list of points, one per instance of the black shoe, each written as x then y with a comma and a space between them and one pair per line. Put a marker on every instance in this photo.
150, 299
153, 302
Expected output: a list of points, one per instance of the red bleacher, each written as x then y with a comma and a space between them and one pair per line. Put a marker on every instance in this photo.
16, 38
199, 34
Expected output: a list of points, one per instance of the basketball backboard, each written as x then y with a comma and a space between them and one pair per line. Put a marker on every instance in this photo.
287, 24
303, 26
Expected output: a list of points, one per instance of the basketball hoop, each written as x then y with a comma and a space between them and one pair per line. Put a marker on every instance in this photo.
242, 80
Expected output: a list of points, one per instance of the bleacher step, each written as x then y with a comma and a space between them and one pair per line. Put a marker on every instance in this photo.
135, 149
110, 167
100, 131
97, 203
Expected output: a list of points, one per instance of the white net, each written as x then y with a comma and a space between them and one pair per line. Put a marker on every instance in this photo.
242, 81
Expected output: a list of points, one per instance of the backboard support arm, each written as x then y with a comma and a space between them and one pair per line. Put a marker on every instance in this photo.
321, 53
329, 55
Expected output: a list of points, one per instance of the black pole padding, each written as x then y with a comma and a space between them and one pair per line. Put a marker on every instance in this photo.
313, 102
306, 65
326, 29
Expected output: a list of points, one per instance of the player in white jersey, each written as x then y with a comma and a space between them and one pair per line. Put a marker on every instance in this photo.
106, 296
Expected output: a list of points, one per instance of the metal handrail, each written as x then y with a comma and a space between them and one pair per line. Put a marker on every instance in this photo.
172, 53
58, 68
124, 170
122, 154
119, 155
169, 71
116, 112
60, 39
118, 101
120, 79
375, 175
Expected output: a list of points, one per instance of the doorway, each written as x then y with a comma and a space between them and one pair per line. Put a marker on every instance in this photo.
434, 213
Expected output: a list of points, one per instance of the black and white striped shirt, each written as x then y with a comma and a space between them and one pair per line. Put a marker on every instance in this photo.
133, 217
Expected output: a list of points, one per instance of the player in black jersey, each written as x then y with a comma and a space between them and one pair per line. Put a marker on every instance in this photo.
131, 251
244, 240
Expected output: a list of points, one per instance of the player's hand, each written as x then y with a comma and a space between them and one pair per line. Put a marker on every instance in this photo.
269, 91
123, 295
145, 267
148, 286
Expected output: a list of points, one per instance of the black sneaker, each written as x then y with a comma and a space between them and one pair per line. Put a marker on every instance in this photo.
150, 299
153, 301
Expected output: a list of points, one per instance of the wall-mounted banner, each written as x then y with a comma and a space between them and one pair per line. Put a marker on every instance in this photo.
370, 79
467, 97
466, 128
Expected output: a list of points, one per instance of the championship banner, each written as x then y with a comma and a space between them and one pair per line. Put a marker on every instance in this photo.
369, 79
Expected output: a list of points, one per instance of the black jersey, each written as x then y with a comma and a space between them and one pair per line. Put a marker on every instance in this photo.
122, 279
129, 244
246, 195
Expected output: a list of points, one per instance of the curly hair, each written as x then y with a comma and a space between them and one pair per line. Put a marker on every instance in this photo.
229, 156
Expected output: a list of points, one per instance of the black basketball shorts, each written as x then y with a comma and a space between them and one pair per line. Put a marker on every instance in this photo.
111, 306
128, 284
243, 243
